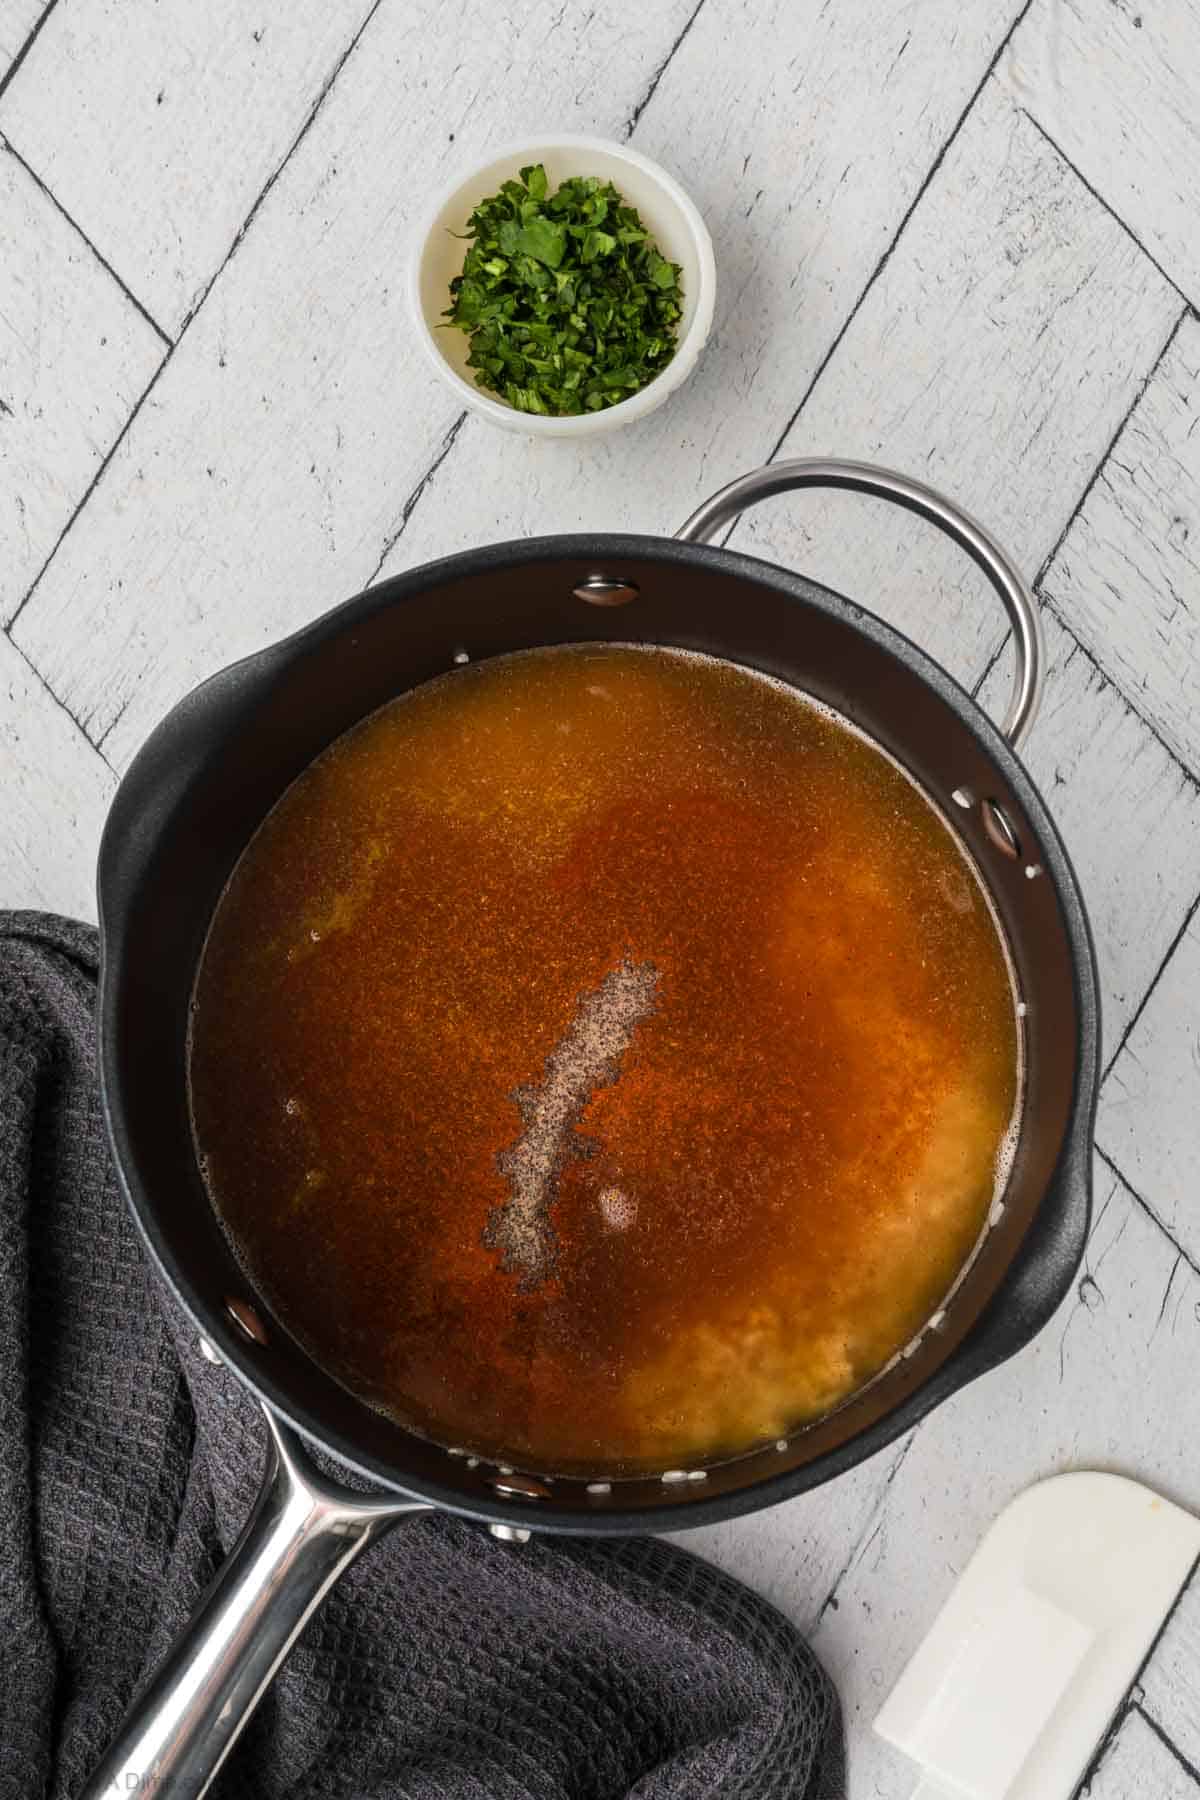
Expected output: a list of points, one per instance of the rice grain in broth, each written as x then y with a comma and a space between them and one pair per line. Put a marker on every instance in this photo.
603, 1057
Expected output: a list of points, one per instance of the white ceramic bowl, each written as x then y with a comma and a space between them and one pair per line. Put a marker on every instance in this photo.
668, 215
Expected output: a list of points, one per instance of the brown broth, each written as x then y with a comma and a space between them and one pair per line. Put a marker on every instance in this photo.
603, 1057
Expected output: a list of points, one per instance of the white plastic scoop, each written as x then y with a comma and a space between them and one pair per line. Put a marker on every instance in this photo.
1040, 1641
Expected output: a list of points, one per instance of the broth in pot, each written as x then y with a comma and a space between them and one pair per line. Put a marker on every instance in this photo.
604, 1058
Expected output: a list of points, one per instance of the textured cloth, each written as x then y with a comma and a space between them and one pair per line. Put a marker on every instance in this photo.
444, 1665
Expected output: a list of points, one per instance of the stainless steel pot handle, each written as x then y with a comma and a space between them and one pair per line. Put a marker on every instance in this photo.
915, 496
304, 1531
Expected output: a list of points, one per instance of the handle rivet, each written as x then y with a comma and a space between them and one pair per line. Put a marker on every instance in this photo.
606, 590
999, 828
520, 1487
244, 1316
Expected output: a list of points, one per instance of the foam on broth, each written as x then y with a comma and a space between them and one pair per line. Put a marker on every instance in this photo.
604, 1057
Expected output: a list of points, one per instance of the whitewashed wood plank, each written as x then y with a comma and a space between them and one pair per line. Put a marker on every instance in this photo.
1139, 1766
1149, 1119
1109, 1384
17, 20
275, 453
793, 1553
779, 143
1127, 578
1115, 85
156, 124
75, 355
56, 792
1130, 815
995, 357
1171, 1683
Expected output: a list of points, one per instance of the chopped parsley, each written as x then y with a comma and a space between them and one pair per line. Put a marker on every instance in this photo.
567, 302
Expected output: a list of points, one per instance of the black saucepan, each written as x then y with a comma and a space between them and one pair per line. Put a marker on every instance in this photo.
187, 808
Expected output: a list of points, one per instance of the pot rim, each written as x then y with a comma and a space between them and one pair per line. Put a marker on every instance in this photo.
691, 1507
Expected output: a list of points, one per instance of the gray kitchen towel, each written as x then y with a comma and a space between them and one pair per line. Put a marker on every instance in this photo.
444, 1667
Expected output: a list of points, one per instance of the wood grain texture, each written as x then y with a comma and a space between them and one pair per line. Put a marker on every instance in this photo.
1114, 83
1171, 1684
276, 453
1139, 1766
1149, 1121
1130, 816
1078, 1397
17, 20
74, 357
803, 194
1127, 578
178, 116
994, 356
56, 791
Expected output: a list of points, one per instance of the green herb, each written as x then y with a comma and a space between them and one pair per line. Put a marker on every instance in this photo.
567, 302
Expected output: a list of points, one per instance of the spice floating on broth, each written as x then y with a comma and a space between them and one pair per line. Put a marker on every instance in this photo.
587, 1058
604, 1058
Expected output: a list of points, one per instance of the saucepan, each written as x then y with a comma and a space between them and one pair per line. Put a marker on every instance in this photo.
186, 810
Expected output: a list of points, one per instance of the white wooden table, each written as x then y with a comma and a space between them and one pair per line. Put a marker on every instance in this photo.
958, 236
